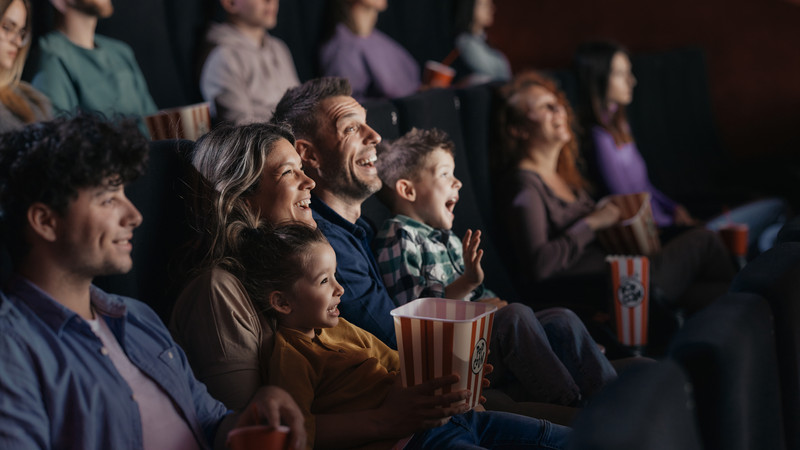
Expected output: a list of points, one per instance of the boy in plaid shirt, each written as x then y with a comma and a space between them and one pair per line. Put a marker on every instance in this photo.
548, 356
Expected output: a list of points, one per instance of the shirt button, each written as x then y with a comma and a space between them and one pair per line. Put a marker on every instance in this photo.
104, 351
169, 354
133, 397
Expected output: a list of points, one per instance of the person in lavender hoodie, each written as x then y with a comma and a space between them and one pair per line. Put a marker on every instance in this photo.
375, 64
606, 80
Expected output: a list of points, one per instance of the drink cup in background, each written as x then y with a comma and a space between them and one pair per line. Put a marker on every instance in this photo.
437, 74
438, 337
630, 279
185, 122
258, 437
735, 235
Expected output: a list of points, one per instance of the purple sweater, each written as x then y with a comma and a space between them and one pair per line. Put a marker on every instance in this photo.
624, 172
376, 65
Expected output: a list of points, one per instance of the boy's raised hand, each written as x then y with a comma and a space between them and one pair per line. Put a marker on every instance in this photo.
472, 257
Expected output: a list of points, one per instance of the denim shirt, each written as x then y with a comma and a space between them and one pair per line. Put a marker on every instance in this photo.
59, 390
365, 302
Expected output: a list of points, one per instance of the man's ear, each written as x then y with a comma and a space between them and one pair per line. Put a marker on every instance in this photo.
308, 153
43, 220
280, 302
229, 6
405, 189
59, 5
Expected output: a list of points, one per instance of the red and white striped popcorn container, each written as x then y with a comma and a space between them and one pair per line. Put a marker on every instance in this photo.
630, 278
184, 122
438, 337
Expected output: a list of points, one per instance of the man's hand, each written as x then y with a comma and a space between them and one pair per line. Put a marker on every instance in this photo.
273, 405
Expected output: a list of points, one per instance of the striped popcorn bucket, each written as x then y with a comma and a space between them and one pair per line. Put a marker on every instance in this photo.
185, 122
630, 278
438, 337
636, 233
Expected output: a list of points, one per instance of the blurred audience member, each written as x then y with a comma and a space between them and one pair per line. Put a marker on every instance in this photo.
606, 82
248, 70
20, 103
77, 68
478, 61
375, 65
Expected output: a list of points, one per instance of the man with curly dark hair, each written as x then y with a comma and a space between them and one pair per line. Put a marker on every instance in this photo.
83, 368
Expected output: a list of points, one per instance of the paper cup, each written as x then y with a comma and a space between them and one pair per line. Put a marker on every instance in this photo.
185, 122
735, 235
437, 74
438, 337
259, 437
630, 279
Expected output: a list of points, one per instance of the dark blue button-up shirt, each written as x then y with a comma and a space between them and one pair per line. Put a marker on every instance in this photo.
59, 390
365, 301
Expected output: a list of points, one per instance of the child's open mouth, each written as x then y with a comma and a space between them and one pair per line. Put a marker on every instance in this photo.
333, 310
451, 204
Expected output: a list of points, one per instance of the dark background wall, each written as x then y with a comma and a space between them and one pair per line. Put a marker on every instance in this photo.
751, 49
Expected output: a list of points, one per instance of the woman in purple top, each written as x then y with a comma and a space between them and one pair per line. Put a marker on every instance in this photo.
376, 65
606, 83
550, 222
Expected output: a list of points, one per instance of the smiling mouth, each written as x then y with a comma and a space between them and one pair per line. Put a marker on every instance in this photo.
368, 161
333, 310
303, 203
451, 204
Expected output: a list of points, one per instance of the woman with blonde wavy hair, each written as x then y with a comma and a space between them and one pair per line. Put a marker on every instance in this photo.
20, 103
247, 175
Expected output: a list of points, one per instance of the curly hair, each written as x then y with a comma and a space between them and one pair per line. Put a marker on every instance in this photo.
230, 160
511, 148
273, 259
592, 63
49, 162
298, 106
405, 157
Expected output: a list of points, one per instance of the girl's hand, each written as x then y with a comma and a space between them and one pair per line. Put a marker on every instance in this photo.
606, 215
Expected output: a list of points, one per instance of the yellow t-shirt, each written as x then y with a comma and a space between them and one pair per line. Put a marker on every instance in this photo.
342, 369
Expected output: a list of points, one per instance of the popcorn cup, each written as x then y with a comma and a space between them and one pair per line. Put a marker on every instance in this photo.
437, 74
630, 279
185, 122
259, 437
636, 233
438, 337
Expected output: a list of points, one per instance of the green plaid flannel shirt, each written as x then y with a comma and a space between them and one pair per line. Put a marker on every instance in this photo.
417, 260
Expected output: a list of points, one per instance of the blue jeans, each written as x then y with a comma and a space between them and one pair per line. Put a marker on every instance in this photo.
546, 357
763, 217
492, 429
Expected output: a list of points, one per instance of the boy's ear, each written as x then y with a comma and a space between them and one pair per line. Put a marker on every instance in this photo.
405, 189
308, 153
43, 221
280, 302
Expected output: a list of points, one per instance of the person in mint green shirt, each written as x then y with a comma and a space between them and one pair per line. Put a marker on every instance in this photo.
77, 68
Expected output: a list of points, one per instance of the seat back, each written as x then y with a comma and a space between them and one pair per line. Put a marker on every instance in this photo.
382, 117
790, 232
157, 242
775, 275
649, 407
438, 108
728, 351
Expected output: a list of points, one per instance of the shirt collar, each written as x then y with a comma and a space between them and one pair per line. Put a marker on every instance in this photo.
423, 228
359, 229
54, 314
